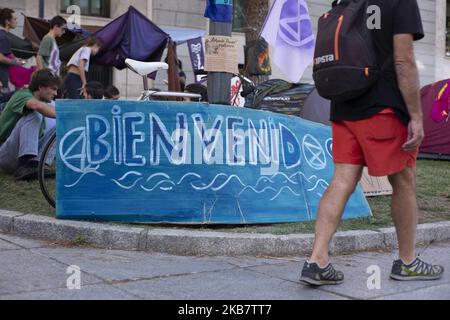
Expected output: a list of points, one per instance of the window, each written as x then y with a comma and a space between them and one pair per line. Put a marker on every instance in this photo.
239, 19
96, 8
448, 30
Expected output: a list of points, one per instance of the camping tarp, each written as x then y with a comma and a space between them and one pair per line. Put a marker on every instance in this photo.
131, 35
35, 29
67, 50
437, 135
21, 48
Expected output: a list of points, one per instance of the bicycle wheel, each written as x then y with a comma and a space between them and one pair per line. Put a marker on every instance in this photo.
47, 171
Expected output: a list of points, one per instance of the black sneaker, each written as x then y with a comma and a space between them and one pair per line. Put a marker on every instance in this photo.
417, 270
313, 275
26, 173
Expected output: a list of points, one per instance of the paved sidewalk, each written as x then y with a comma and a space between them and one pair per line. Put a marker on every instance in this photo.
176, 241
33, 269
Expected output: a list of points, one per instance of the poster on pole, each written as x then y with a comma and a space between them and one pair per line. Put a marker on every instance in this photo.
221, 54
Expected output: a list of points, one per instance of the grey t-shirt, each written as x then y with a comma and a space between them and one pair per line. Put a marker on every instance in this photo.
5, 49
49, 51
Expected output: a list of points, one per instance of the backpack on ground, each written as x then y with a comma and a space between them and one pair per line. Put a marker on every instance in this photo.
279, 96
345, 64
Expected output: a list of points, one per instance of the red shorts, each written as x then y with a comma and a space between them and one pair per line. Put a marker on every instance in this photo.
376, 143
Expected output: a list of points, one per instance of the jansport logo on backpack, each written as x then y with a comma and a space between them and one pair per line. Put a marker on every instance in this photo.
345, 64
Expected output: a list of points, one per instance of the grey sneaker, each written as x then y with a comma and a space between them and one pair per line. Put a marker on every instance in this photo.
417, 270
313, 275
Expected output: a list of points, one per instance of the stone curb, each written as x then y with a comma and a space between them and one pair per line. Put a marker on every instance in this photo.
187, 242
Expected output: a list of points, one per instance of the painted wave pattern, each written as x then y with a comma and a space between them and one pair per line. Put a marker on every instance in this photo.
273, 186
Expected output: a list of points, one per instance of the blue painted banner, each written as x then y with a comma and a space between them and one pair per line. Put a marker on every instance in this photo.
191, 163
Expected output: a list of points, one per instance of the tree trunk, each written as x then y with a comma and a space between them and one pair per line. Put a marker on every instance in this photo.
256, 12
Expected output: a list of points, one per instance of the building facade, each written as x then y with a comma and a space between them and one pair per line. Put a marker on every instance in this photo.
432, 53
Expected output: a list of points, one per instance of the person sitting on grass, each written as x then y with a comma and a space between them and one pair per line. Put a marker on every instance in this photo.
94, 91
22, 125
112, 93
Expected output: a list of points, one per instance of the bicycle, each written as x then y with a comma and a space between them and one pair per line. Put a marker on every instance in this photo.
47, 161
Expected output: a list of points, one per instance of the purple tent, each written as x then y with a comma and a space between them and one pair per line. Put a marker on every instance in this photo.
436, 144
132, 35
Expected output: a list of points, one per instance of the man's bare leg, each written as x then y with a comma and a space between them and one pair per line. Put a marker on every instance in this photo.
331, 208
404, 212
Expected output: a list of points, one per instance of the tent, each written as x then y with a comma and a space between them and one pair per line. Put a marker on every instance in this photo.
35, 29
436, 144
132, 35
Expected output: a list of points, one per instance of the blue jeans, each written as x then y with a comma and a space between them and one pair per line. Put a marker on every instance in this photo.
23, 140
72, 86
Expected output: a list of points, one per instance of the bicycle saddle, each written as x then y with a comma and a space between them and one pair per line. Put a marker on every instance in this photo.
145, 68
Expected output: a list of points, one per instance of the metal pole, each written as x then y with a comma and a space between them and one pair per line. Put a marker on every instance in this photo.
41, 8
219, 83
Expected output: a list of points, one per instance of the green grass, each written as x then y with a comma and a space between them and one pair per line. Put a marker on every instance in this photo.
25, 197
433, 182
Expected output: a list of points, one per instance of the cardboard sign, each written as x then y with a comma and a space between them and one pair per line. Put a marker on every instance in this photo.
190, 163
375, 186
221, 54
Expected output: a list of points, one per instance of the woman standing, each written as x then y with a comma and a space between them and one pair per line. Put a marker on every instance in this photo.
75, 81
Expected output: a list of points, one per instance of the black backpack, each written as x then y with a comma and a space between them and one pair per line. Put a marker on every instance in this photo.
345, 64
279, 96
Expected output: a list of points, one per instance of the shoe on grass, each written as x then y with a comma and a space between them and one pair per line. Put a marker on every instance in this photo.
313, 275
417, 270
26, 173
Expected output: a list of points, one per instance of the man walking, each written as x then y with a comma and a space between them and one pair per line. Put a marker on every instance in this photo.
381, 129
48, 55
